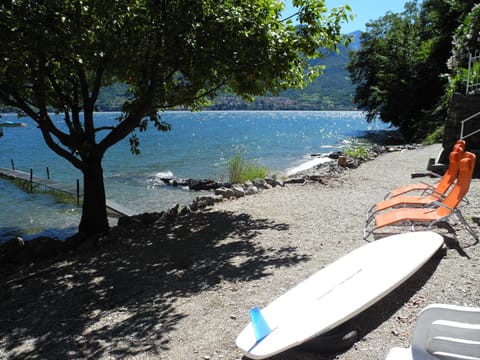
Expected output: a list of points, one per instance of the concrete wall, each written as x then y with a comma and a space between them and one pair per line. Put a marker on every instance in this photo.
460, 108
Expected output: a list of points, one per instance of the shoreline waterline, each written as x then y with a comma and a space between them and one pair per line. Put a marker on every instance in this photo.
309, 165
305, 170
198, 147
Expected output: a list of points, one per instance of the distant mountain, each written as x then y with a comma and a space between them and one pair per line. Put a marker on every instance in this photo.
356, 44
331, 91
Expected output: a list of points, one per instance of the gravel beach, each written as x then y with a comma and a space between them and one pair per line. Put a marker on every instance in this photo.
182, 289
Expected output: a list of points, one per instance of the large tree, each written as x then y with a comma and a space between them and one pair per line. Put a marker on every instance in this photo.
386, 70
399, 71
58, 54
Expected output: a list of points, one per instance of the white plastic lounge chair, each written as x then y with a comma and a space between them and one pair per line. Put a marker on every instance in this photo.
443, 332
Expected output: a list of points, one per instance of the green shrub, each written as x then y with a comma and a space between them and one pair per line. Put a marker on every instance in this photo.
435, 137
239, 170
357, 152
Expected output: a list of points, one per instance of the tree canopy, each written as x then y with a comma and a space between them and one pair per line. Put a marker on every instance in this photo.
466, 43
59, 54
400, 70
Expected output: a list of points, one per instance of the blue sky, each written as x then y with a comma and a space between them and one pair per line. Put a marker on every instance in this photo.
364, 10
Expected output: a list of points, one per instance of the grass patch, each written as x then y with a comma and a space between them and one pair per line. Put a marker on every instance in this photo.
357, 152
239, 170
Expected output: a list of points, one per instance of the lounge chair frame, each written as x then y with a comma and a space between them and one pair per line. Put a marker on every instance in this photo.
429, 197
417, 216
444, 183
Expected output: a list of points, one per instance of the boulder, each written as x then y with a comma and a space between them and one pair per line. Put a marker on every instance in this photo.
208, 200
75, 240
198, 185
335, 155
273, 181
295, 180
128, 221
44, 247
251, 190
185, 210
24, 252
260, 183
342, 161
316, 178
238, 191
180, 182
173, 212
227, 193
117, 232
9, 249
148, 218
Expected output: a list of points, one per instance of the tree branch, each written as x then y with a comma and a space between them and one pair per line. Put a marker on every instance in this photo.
58, 149
96, 85
56, 87
87, 105
19, 102
131, 122
102, 128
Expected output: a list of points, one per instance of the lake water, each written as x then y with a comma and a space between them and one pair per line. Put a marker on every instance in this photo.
198, 146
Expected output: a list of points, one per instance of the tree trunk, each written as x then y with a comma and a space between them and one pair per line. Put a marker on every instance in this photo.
94, 215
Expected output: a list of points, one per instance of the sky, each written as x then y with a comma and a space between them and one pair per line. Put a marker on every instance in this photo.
364, 10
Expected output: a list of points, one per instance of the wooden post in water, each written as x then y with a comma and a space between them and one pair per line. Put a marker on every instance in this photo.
31, 180
13, 164
78, 192
48, 173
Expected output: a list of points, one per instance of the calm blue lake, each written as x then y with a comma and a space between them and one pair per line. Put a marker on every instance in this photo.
198, 146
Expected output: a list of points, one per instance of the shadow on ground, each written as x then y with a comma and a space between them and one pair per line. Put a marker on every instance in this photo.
385, 137
121, 298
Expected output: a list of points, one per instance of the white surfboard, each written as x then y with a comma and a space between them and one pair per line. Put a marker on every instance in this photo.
336, 293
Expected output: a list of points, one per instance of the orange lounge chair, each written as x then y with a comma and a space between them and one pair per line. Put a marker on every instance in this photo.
441, 187
428, 197
431, 215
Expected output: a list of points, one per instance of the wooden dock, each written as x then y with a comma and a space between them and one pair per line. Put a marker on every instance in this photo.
31, 180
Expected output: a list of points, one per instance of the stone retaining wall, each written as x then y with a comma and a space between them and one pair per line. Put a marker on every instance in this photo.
460, 108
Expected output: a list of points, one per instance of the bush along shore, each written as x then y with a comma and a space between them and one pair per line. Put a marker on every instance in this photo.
16, 251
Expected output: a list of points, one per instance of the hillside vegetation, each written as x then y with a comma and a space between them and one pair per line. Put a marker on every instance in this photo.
331, 91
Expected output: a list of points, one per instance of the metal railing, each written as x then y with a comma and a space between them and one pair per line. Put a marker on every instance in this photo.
462, 129
475, 85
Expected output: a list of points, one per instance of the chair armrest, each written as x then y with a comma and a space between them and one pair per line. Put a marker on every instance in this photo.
439, 204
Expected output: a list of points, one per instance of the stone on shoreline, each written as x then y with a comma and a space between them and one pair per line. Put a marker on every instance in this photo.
238, 191
225, 192
22, 252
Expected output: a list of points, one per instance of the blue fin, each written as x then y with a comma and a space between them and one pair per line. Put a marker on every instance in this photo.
260, 326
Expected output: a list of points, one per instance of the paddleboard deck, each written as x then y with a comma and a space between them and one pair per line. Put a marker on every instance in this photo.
336, 293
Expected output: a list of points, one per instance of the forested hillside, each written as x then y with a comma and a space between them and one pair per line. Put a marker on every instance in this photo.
331, 91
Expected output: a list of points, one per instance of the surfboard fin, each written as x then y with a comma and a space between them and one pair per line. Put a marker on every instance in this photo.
260, 326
